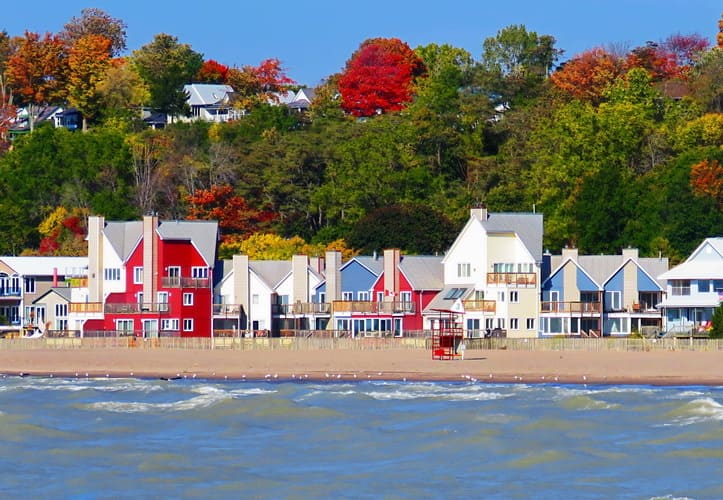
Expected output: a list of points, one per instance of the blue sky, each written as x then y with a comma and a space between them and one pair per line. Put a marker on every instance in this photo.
314, 39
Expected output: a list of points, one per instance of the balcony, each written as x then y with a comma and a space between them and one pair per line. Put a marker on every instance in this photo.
10, 292
226, 309
181, 282
524, 280
137, 308
486, 306
572, 307
301, 308
77, 282
85, 307
368, 307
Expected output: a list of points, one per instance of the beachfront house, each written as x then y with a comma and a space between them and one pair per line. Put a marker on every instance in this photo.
210, 102
148, 278
694, 289
491, 276
601, 295
267, 296
25, 279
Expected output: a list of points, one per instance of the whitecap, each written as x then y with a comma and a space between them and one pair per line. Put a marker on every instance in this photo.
697, 411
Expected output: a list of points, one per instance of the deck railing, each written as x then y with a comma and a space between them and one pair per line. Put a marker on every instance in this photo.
488, 306
301, 308
370, 307
137, 308
512, 279
85, 307
571, 307
184, 282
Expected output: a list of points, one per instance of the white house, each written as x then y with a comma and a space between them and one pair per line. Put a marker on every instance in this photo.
694, 289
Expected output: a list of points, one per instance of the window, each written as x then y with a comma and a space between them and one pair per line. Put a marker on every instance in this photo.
380, 296
704, 286
514, 297
322, 297
29, 285
680, 287
199, 272
137, 275
349, 296
162, 298
530, 323
454, 293
514, 323
500, 296
169, 324
489, 323
500, 323
464, 270
188, 299
112, 274
612, 300
124, 325
363, 296
187, 325
61, 310
61, 324
405, 296
255, 298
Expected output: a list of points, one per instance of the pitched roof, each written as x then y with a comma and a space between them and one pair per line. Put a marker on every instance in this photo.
602, 267
64, 292
272, 272
424, 272
448, 297
693, 268
47, 266
125, 236
528, 226
373, 263
207, 94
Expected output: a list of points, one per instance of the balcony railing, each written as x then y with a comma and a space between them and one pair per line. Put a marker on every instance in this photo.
85, 307
137, 308
77, 282
301, 308
512, 279
184, 282
368, 307
572, 307
227, 309
488, 306
10, 292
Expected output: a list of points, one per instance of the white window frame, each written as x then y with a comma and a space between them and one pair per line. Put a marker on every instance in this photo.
464, 269
188, 298
405, 297
188, 324
138, 275
124, 325
530, 323
112, 274
514, 297
199, 272
29, 284
170, 324
613, 300
347, 296
61, 310
514, 324
363, 296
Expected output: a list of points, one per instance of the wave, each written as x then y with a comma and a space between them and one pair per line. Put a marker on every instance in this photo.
585, 402
697, 411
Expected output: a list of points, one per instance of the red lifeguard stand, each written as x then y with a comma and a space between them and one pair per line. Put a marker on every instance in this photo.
447, 335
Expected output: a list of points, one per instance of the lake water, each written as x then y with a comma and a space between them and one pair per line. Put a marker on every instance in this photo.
111, 438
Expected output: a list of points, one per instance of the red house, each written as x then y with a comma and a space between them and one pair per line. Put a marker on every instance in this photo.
152, 278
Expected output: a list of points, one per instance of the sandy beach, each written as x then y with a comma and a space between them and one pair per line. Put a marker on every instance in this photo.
576, 367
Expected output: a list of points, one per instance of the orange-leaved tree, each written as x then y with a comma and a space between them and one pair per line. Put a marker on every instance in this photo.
63, 232
587, 75
37, 72
236, 219
260, 84
88, 61
212, 72
706, 179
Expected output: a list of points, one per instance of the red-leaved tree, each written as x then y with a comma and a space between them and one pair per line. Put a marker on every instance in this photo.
587, 75
379, 77
706, 179
212, 72
234, 215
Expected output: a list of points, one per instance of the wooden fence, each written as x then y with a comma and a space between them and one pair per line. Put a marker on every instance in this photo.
363, 343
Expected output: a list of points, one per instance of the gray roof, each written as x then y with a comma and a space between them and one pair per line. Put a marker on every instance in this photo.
528, 226
373, 263
602, 267
424, 272
64, 292
202, 233
440, 301
272, 272
207, 94
124, 237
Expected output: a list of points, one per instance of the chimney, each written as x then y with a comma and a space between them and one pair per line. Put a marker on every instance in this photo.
96, 225
392, 257
479, 212
299, 279
150, 258
630, 253
241, 286
569, 253
333, 276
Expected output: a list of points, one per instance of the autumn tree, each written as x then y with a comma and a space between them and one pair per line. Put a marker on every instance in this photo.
212, 72
379, 77
63, 232
37, 72
88, 61
587, 75
121, 91
254, 85
706, 179
234, 215
94, 21
166, 65
7, 110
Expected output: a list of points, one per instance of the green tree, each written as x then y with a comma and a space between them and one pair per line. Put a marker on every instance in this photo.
716, 331
165, 66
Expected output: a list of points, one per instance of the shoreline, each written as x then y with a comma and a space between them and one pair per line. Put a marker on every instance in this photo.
655, 368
